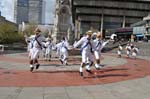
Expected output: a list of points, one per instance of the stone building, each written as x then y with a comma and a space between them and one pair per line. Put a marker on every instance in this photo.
3, 21
103, 15
63, 20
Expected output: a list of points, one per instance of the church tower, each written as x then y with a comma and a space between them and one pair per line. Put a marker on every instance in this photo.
63, 20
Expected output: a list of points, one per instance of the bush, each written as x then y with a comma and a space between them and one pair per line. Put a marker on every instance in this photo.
9, 34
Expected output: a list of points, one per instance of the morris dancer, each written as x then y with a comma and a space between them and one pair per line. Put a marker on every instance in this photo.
62, 50
36, 46
99, 45
119, 52
86, 51
135, 50
128, 50
49, 46
28, 47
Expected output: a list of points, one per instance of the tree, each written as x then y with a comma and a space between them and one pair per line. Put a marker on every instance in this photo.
30, 29
8, 33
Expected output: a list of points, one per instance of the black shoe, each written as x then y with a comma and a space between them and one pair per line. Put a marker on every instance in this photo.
66, 64
81, 74
98, 68
61, 61
31, 69
89, 71
37, 66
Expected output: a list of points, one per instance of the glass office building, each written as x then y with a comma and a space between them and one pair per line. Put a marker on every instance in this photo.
29, 11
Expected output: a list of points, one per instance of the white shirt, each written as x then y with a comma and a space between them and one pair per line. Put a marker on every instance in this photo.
49, 44
86, 45
128, 48
34, 43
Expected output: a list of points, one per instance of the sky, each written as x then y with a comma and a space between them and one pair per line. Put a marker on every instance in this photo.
49, 8
7, 10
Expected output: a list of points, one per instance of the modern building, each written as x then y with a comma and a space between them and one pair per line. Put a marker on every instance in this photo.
29, 11
143, 26
147, 26
43, 11
103, 15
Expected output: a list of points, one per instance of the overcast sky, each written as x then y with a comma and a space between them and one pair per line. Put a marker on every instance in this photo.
7, 10
49, 8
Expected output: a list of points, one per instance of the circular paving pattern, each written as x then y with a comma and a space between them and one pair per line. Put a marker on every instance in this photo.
14, 71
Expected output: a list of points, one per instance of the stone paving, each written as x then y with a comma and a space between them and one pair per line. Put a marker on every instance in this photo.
20, 62
121, 78
133, 89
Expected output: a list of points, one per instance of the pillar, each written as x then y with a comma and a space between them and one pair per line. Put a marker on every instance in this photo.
124, 22
102, 23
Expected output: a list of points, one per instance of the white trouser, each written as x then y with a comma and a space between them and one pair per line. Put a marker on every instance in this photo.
119, 52
58, 52
63, 54
48, 52
97, 57
128, 52
34, 53
30, 51
87, 56
43, 51
97, 54
134, 54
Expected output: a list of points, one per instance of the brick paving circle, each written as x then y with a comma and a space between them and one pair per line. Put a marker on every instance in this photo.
58, 75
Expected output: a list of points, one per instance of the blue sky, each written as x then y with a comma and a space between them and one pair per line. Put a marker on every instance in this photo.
7, 10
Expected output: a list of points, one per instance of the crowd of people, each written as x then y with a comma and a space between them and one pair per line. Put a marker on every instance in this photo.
131, 50
91, 47
38, 43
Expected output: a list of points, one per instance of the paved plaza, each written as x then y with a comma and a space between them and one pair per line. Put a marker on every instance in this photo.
120, 78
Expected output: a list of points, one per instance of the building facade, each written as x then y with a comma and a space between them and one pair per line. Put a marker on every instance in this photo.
103, 15
147, 26
29, 11
4, 21
144, 26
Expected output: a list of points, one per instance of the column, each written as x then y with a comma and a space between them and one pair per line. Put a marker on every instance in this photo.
102, 22
124, 22
77, 29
